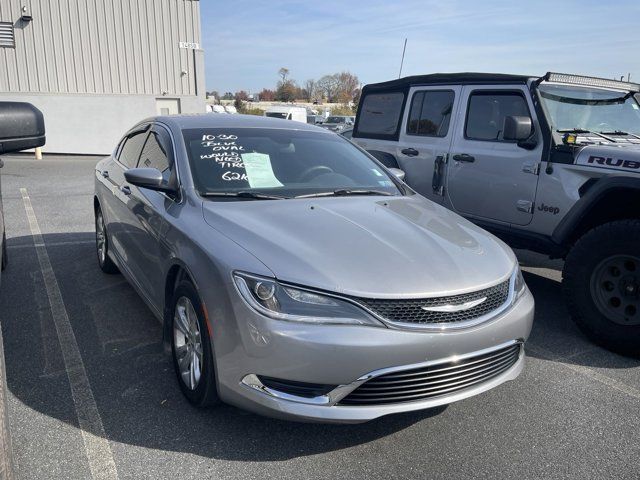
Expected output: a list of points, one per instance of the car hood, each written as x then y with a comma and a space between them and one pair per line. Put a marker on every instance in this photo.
400, 247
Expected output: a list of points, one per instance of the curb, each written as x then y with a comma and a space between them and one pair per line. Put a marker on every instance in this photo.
6, 465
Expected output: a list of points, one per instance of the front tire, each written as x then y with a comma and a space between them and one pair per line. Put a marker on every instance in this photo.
102, 245
602, 285
191, 348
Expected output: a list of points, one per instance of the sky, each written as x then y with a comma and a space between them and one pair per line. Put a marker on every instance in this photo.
246, 42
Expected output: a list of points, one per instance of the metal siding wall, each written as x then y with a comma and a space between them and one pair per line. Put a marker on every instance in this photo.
101, 47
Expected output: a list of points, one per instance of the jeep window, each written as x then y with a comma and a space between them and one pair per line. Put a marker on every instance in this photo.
380, 114
588, 108
430, 113
487, 111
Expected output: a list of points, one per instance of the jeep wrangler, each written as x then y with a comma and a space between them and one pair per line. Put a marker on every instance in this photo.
550, 164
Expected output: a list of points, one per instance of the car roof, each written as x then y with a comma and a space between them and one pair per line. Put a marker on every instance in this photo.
462, 78
212, 120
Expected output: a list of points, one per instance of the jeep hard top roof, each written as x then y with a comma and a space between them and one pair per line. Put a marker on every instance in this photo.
475, 78
464, 78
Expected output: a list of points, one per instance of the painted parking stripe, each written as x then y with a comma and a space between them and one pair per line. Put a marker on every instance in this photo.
96, 445
55, 244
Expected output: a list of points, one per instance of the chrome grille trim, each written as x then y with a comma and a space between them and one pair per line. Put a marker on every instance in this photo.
481, 316
431, 380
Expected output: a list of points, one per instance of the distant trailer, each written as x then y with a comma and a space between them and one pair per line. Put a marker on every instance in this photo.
298, 114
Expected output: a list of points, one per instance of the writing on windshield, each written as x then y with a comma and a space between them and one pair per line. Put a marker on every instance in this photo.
280, 162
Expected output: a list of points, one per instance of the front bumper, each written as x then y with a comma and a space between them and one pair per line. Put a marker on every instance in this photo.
345, 355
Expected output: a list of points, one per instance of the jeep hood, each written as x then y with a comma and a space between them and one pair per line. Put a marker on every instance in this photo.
397, 247
615, 156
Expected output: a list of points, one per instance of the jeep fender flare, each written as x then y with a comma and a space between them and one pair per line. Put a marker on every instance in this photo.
564, 231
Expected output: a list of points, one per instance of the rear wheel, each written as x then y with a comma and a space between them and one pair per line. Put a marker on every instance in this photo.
602, 285
102, 245
191, 348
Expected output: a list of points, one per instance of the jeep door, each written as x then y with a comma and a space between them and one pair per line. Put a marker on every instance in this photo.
425, 138
489, 177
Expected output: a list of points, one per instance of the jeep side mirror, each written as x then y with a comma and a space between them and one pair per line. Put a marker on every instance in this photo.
517, 128
21, 127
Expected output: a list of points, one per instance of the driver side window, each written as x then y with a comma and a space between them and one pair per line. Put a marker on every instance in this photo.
154, 156
130, 151
487, 111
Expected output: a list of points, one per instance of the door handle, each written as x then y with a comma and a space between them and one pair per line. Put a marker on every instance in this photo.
105, 174
126, 190
409, 152
464, 157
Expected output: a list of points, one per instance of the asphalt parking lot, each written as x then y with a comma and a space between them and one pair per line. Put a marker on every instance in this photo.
573, 413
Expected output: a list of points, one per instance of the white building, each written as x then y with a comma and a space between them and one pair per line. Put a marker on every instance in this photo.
95, 67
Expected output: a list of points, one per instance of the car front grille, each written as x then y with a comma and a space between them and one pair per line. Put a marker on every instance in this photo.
413, 311
434, 380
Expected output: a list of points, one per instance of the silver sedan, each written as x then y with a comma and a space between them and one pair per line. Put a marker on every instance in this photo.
297, 277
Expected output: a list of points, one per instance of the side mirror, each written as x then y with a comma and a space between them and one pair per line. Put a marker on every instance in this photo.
21, 127
150, 178
399, 174
517, 128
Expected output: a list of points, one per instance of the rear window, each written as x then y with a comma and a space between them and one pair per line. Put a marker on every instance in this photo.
430, 113
380, 114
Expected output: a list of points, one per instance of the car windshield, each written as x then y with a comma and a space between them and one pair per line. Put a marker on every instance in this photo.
336, 120
593, 109
281, 163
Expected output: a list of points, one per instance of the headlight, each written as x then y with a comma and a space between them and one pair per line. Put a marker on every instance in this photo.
519, 286
283, 302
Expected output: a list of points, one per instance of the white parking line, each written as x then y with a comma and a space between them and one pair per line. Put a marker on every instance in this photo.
56, 244
96, 445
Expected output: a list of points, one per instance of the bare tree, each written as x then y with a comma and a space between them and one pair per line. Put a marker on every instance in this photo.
346, 87
327, 87
284, 73
310, 89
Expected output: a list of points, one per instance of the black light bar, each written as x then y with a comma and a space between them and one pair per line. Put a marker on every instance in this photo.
590, 81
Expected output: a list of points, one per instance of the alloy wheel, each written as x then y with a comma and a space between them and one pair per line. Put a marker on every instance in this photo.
187, 343
101, 243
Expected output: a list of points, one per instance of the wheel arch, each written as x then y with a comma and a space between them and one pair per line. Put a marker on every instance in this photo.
608, 199
177, 272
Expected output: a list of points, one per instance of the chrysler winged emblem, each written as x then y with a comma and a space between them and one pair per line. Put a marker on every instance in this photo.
458, 307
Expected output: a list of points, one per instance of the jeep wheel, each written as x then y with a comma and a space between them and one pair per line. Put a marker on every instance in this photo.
602, 285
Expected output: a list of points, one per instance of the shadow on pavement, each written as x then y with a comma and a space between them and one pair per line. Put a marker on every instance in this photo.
131, 377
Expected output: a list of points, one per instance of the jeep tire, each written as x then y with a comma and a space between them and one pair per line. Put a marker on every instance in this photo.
602, 285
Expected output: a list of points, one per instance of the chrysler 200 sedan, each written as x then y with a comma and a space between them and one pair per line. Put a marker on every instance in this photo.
297, 277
